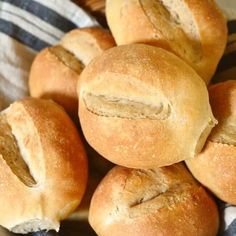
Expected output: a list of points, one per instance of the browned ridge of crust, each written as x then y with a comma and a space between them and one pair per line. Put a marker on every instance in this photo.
10, 152
67, 58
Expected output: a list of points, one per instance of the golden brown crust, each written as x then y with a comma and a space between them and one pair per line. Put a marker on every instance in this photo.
189, 28
159, 201
223, 103
51, 78
51, 147
135, 113
215, 167
55, 71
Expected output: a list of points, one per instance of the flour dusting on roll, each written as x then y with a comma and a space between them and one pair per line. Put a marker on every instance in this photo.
195, 30
56, 70
43, 166
215, 166
157, 201
141, 106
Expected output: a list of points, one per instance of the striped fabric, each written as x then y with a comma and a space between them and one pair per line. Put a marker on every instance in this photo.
27, 26
228, 220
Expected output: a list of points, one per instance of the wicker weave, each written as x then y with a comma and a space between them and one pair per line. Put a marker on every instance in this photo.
95, 7
92, 5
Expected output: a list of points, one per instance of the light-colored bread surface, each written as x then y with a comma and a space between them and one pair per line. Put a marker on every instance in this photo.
141, 106
223, 103
158, 201
215, 166
194, 30
87, 43
51, 78
55, 70
43, 166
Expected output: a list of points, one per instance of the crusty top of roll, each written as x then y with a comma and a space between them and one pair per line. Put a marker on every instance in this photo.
141, 106
55, 70
87, 43
158, 201
43, 172
195, 30
223, 103
215, 166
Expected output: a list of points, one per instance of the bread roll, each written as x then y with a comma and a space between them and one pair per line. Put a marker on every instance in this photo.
159, 201
223, 103
55, 70
194, 30
43, 166
141, 106
215, 167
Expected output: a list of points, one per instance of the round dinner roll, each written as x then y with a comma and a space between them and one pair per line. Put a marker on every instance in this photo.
141, 106
152, 202
43, 166
215, 167
55, 70
223, 103
194, 30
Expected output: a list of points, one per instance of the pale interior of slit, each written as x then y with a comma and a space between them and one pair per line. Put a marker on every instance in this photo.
203, 136
10, 152
178, 21
157, 194
109, 106
68, 58
225, 134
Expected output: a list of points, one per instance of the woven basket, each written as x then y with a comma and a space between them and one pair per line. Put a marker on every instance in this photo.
95, 8
94, 5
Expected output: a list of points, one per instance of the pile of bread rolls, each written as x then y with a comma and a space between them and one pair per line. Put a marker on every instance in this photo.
146, 105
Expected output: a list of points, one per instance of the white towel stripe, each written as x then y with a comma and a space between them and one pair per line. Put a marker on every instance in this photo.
34, 20
28, 27
66, 7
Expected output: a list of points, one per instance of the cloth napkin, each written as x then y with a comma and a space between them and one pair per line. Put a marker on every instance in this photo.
27, 26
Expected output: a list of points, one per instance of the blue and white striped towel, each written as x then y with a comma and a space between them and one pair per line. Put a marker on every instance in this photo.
27, 26
227, 71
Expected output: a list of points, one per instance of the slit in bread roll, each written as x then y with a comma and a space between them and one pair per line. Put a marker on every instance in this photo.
141, 106
179, 20
56, 70
223, 102
158, 201
43, 166
67, 57
215, 166
10, 152
188, 28
124, 108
